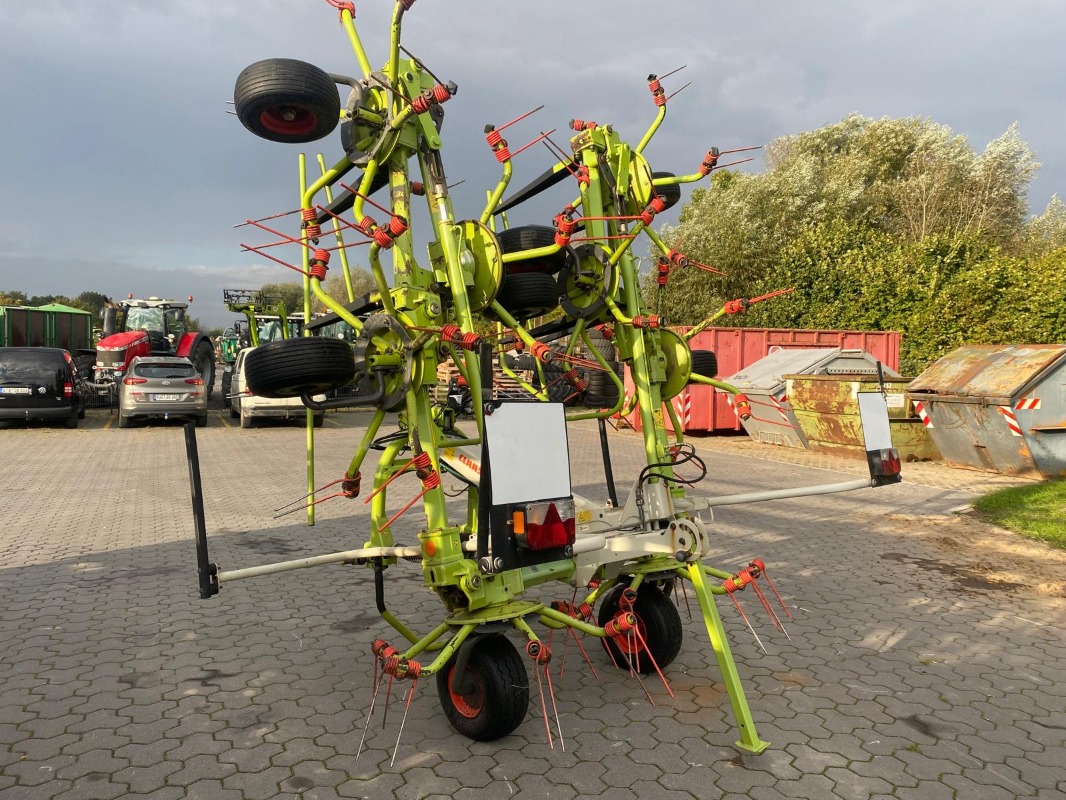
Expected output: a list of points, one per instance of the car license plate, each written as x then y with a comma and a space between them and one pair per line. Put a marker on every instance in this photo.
15, 390
166, 397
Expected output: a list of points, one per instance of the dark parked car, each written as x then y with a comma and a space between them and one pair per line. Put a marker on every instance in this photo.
40, 383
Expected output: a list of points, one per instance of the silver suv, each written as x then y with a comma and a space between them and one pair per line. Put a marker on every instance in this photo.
162, 386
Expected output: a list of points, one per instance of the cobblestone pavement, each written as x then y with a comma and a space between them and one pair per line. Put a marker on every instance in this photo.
909, 674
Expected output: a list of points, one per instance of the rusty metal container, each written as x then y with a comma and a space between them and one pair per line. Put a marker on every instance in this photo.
826, 408
1000, 408
773, 419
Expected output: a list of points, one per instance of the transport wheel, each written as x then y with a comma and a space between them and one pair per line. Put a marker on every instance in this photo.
529, 294
705, 363
490, 699
671, 193
291, 367
658, 622
289, 101
532, 237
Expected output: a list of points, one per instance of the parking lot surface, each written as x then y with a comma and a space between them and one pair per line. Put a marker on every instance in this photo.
924, 660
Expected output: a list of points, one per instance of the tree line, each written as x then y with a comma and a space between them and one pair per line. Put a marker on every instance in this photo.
889, 224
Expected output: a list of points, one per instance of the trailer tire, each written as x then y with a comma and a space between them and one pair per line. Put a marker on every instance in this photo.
203, 358
291, 367
287, 101
658, 622
705, 363
498, 696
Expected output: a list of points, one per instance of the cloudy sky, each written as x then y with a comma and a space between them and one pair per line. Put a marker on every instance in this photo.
122, 171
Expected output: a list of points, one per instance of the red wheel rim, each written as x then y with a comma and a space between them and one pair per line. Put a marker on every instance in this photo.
468, 705
288, 120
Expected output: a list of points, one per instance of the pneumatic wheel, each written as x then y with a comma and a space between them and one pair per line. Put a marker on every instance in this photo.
288, 101
203, 358
528, 294
532, 237
705, 363
490, 699
658, 622
291, 367
671, 193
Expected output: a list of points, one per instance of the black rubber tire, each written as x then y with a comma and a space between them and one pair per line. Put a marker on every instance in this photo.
529, 295
658, 622
608, 398
227, 385
318, 420
500, 697
705, 363
203, 358
291, 367
531, 237
71, 422
124, 422
235, 408
268, 92
601, 344
671, 194
201, 421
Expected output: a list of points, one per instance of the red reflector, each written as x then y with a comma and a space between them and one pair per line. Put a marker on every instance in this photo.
195, 381
68, 390
134, 381
890, 462
552, 530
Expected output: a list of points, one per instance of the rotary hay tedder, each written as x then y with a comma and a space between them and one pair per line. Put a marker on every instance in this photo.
522, 526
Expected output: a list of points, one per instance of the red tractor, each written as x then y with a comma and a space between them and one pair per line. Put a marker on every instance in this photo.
146, 327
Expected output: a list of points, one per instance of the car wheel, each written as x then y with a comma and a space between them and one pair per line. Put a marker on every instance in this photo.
288, 101
490, 699
235, 407
291, 367
72, 420
227, 386
201, 421
319, 420
124, 422
246, 419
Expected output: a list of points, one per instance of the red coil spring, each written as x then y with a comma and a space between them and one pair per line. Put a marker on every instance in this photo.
318, 271
366, 225
656, 205
542, 352
607, 331
350, 486
582, 125
424, 469
441, 93
321, 255
736, 306
380, 648
503, 154
758, 566
414, 670
422, 103
622, 624
742, 405
575, 379
455, 335
313, 231
627, 599
709, 161
381, 238
653, 83
582, 175
652, 321
397, 226
678, 259
308, 214
493, 137
539, 652
418, 188
660, 98
663, 276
